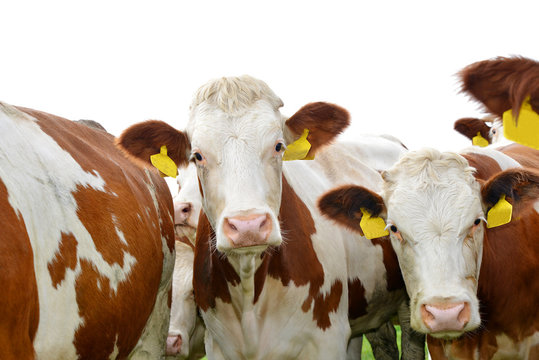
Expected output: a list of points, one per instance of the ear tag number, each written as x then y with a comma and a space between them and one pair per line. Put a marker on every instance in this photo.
526, 132
164, 163
299, 149
500, 214
373, 227
478, 140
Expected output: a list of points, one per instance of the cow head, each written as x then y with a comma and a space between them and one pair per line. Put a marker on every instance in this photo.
187, 203
435, 211
236, 137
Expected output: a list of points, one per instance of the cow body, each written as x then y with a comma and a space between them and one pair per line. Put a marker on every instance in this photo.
273, 279
89, 250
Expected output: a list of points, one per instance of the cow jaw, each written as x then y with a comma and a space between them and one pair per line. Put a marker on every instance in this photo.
432, 201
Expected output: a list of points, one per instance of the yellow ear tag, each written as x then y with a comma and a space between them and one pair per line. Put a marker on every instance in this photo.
299, 149
164, 163
500, 214
479, 140
373, 227
527, 130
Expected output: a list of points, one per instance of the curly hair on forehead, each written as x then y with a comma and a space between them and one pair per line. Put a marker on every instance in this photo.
234, 95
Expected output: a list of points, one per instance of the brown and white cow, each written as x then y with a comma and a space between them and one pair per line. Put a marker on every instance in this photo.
87, 244
272, 277
467, 282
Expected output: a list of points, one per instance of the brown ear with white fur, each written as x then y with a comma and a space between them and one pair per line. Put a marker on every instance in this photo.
144, 139
323, 120
503, 83
344, 205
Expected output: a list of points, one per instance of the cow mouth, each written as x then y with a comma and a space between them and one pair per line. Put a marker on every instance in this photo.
247, 250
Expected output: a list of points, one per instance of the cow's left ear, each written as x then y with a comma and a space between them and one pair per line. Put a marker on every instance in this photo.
345, 205
142, 140
323, 121
518, 185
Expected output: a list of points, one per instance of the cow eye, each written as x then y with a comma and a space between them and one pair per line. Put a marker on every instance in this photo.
477, 222
278, 147
199, 158
393, 229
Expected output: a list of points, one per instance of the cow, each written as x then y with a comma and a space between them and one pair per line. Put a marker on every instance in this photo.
470, 277
87, 244
186, 330
272, 277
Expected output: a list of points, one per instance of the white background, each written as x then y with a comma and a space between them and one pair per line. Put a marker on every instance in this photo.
392, 64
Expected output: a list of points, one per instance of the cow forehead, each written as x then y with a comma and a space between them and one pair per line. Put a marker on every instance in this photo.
212, 128
434, 190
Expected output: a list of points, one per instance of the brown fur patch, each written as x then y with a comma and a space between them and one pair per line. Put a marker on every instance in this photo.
19, 305
357, 304
391, 263
66, 258
323, 120
502, 83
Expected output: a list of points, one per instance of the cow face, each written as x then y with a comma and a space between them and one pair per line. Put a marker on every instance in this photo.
236, 137
187, 203
435, 211
435, 217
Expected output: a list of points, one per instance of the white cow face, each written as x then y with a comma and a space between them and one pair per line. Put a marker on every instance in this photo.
238, 160
187, 203
434, 214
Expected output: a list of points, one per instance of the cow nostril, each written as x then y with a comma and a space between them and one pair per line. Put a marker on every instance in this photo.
232, 227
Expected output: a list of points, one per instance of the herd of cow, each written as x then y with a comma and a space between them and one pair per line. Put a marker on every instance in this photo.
261, 258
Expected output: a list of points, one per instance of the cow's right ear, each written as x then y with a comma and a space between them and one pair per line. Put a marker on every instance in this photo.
145, 139
344, 205
469, 127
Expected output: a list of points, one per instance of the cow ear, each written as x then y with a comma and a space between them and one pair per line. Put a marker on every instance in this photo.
344, 205
323, 121
469, 127
142, 140
518, 185
503, 83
